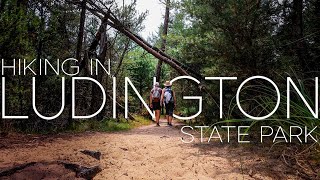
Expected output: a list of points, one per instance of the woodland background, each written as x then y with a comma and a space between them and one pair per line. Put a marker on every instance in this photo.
200, 38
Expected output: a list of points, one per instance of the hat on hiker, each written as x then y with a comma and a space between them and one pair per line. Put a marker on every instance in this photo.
156, 84
167, 84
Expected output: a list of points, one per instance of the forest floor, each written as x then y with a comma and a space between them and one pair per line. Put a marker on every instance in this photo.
147, 152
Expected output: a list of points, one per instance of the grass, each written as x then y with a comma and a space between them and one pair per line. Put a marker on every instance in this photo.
299, 114
109, 125
79, 126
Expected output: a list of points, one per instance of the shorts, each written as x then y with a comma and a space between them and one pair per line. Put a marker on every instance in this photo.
156, 106
169, 109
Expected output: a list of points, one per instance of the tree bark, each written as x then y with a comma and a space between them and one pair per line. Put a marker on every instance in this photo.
2, 4
83, 63
316, 60
82, 171
13, 170
94, 154
297, 30
157, 53
152, 51
96, 99
121, 58
81, 30
164, 38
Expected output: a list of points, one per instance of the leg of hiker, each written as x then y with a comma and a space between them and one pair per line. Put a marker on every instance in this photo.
170, 120
157, 113
155, 97
156, 108
174, 105
167, 113
171, 114
168, 97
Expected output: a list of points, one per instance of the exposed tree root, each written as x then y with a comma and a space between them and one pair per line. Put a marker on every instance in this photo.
94, 154
81, 171
13, 170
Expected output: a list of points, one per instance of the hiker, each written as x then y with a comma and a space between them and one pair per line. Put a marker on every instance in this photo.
168, 97
155, 96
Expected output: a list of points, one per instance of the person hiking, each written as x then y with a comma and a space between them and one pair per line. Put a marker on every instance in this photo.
168, 97
155, 97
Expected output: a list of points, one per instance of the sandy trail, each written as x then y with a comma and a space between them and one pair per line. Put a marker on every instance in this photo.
147, 153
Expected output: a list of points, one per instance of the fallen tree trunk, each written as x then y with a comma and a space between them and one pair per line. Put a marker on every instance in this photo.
110, 19
150, 50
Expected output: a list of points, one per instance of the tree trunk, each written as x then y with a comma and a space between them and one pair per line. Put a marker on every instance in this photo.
164, 38
2, 4
122, 57
316, 60
96, 98
78, 52
297, 34
317, 20
156, 53
81, 30
84, 63
41, 30
108, 17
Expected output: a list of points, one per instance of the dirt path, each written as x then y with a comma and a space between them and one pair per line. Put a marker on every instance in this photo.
147, 153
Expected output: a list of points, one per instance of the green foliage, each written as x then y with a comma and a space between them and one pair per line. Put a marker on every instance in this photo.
139, 67
241, 39
213, 37
15, 22
49, 30
108, 125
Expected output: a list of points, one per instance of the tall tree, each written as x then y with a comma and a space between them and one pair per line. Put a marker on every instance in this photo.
96, 96
81, 29
297, 34
164, 38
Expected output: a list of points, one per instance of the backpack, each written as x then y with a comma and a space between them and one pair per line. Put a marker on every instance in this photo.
156, 94
168, 95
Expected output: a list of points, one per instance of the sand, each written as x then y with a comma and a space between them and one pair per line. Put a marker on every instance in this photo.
148, 152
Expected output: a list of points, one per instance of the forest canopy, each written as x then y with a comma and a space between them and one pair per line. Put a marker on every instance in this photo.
198, 38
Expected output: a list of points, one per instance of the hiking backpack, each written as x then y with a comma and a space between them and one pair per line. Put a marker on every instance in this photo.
168, 95
156, 94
